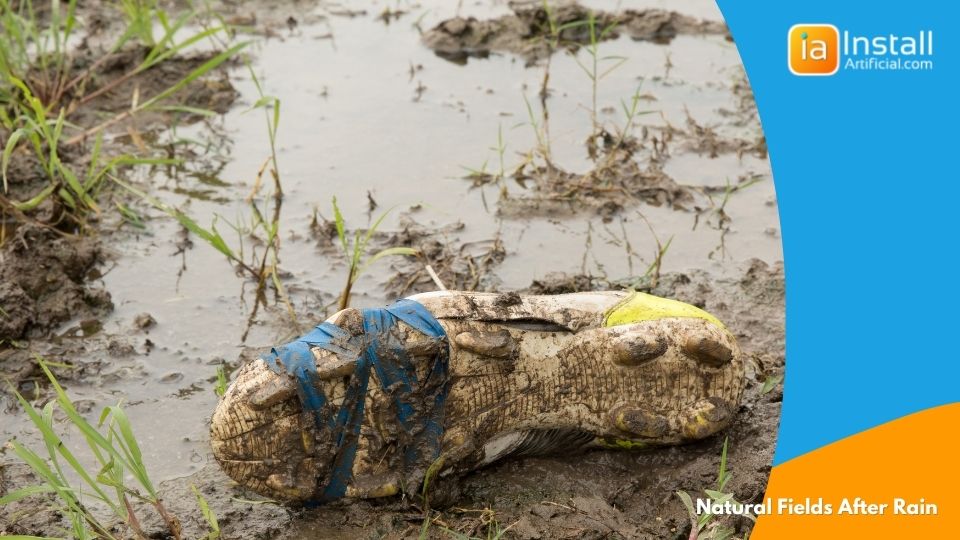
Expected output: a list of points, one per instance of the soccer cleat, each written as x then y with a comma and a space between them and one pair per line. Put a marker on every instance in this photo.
373, 401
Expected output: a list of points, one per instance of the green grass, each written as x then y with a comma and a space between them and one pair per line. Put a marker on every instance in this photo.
595, 68
261, 225
356, 250
716, 213
34, 48
770, 383
220, 388
651, 277
540, 128
264, 221
139, 16
489, 527
630, 114
116, 480
36, 51
728, 191
208, 515
708, 526
481, 176
75, 188
271, 111
41, 89
210, 235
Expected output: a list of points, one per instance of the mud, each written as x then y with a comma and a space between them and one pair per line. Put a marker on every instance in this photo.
468, 266
373, 114
624, 169
617, 182
212, 92
44, 279
527, 33
602, 494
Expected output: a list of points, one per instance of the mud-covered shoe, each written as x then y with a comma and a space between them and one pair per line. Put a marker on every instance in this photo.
373, 400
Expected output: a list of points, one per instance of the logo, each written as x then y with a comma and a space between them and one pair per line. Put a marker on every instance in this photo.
822, 49
813, 49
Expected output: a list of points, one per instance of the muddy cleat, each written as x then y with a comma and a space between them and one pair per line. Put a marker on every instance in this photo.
373, 401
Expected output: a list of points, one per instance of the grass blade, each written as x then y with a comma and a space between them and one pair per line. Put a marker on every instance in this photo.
204, 68
208, 514
387, 253
7, 151
25, 492
338, 220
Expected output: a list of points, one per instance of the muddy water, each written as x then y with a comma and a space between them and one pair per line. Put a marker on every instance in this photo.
366, 107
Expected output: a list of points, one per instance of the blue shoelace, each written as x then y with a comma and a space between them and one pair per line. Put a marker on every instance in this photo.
379, 348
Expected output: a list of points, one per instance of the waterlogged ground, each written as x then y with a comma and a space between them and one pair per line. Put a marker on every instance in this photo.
371, 115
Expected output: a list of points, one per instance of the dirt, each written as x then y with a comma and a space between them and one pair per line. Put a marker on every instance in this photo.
616, 182
625, 169
527, 31
212, 92
389, 122
466, 266
51, 293
44, 279
54, 305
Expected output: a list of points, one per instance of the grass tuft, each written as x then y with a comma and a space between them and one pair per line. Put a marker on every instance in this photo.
42, 87
115, 482
357, 251
707, 526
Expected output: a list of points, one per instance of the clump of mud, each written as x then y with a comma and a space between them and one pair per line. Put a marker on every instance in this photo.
47, 301
462, 266
212, 92
628, 170
467, 266
27, 516
617, 178
43, 283
526, 32
704, 139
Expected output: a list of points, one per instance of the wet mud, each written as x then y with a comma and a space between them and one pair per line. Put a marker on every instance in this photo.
44, 279
48, 294
387, 112
618, 181
462, 266
527, 31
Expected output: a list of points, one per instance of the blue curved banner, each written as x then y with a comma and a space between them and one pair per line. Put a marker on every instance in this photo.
858, 103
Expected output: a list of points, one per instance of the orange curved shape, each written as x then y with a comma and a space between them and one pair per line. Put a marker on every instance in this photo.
911, 464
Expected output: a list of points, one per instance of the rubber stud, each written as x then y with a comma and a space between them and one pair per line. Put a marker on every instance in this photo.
372, 487
707, 350
707, 417
634, 349
276, 390
331, 367
640, 422
285, 484
494, 344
